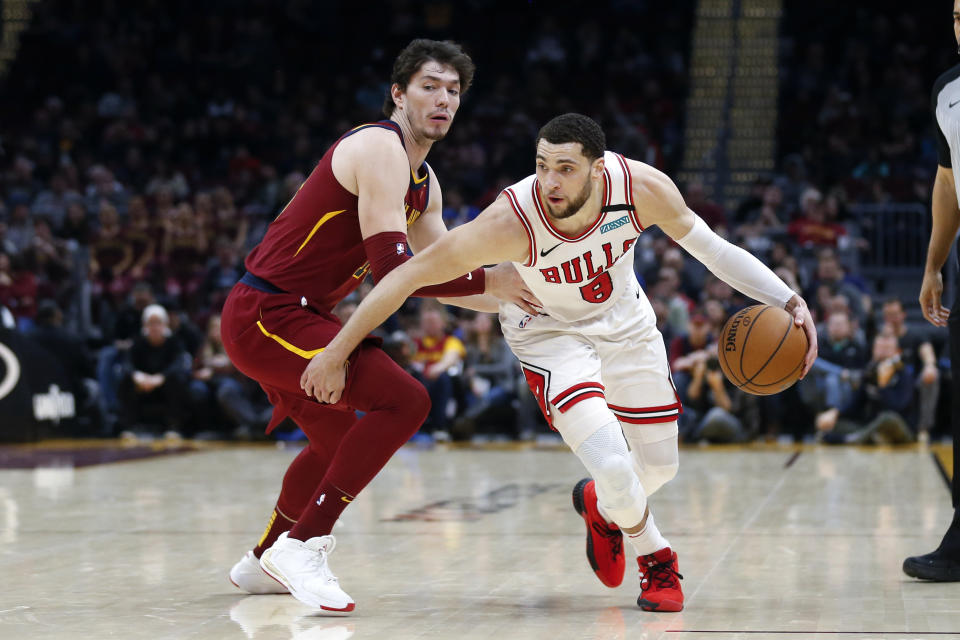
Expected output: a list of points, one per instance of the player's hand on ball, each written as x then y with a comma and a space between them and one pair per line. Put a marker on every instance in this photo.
504, 283
802, 318
324, 378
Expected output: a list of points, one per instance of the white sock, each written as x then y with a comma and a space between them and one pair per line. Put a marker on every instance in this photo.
648, 540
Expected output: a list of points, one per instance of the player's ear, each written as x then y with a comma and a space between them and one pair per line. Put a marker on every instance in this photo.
596, 168
397, 94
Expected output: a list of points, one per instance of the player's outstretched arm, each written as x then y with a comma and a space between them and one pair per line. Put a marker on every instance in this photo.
494, 236
429, 228
659, 202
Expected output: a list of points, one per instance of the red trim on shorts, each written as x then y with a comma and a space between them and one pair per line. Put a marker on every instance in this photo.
666, 407
578, 399
560, 397
569, 398
656, 420
641, 415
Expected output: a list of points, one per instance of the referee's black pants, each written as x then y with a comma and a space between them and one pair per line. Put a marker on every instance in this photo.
951, 540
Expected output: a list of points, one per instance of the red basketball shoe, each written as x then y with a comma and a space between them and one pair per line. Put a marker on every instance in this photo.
604, 539
660, 582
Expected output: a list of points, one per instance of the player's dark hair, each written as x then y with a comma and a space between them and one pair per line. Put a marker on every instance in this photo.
575, 127
420, 51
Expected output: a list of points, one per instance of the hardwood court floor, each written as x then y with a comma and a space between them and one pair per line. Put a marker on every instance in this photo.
468, 544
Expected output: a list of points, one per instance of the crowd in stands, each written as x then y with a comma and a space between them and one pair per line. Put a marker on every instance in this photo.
135, 179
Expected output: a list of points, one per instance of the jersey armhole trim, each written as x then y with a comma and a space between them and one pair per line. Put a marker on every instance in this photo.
531, 239
628, 192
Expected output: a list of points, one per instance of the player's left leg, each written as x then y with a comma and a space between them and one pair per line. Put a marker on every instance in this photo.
620, 498
653, 448
641, 395
324, 427
394, 406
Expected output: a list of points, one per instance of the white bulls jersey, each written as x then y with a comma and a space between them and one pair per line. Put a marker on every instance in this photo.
578, 277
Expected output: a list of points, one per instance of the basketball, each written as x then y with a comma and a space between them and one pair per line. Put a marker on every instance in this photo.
761, 350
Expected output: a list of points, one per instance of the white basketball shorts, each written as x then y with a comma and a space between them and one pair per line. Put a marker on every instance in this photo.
618, 356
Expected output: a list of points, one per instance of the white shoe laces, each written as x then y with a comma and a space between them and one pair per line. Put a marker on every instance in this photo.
321, 547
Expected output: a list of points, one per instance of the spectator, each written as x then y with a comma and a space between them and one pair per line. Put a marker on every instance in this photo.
882, 411
20, 228
439, 358
835, 375
811, 228
51, 203
110, 256
490, 376
667, 287
767, 220
830, 280
712, 213
916, 350
18, 290
76, 226
141, 236
154, 390
223, 270
216, 381
687, 353
719, 411
184, 253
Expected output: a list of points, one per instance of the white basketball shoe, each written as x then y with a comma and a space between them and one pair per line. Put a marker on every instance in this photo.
247, 575
303, 569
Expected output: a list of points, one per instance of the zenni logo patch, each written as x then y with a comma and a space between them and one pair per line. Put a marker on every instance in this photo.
616, 224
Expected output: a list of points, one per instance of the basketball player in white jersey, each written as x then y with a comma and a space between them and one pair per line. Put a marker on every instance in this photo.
593, 357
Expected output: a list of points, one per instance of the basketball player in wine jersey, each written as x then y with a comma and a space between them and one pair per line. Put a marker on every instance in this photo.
351, 216
594, 357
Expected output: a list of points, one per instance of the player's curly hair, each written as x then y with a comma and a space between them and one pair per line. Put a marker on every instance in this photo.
418, 52
575, 127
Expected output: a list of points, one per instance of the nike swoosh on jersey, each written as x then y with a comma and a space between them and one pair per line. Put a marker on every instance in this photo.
543, 253
953, 104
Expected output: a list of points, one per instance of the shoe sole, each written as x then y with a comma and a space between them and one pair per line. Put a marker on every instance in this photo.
259, 593
667, 606
931, 573
580, 506
264, 564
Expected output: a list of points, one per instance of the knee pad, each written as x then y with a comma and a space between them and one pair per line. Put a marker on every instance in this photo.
653, 477
619, 493
655, 455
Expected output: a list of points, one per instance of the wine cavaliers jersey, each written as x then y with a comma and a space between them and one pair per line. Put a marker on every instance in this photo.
578, 277
314, 248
